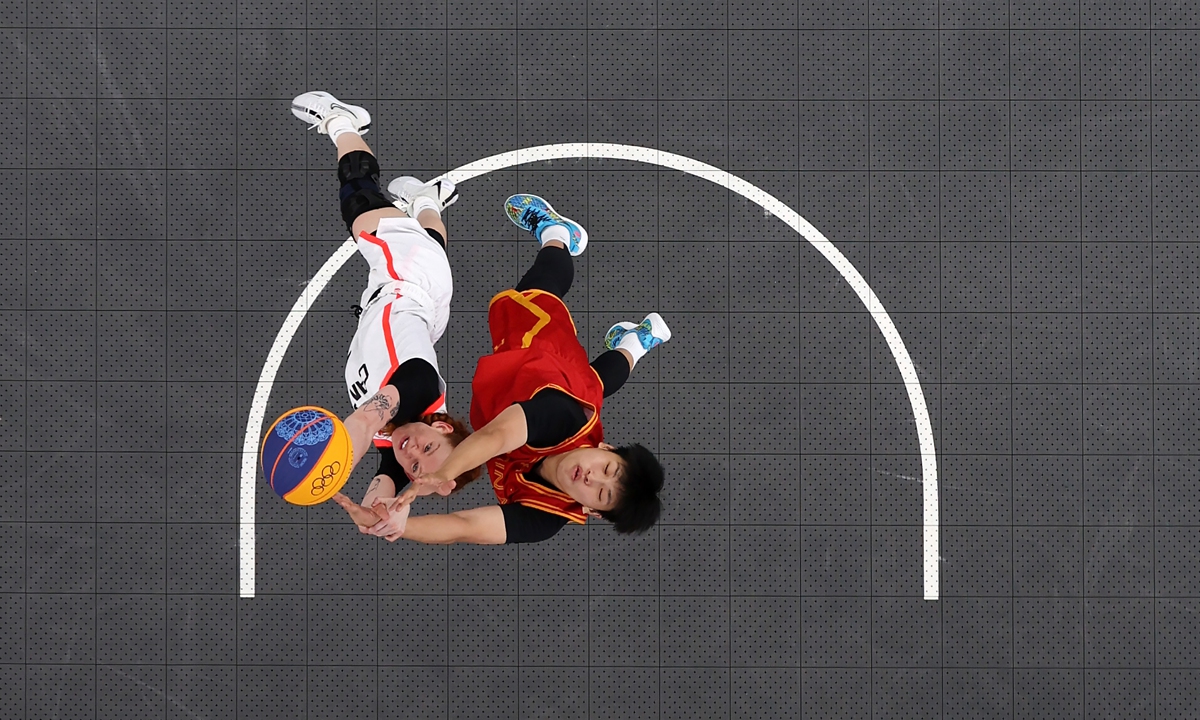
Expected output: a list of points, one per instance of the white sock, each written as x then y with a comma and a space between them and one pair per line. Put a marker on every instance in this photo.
555, 232
337, 125
423, 203
633, 345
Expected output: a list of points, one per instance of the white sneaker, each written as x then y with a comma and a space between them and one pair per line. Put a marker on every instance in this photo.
651, 332
407, 189
319, 108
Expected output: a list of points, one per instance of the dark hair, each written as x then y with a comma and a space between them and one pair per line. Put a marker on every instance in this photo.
459, 433
638, 505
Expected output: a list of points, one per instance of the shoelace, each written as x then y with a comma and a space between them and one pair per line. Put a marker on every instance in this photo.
537, 219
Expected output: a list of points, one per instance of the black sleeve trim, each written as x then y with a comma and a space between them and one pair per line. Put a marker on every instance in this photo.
417, 383
524, 524
551, 416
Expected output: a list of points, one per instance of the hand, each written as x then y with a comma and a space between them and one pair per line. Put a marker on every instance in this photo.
362, 517
394, 519
426, 485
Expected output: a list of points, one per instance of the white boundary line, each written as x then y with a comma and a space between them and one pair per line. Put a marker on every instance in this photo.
883, 321
258, 408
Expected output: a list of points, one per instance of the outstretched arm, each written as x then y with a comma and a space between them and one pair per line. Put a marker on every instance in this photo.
481, 526
389, 519
370, 418
506, 432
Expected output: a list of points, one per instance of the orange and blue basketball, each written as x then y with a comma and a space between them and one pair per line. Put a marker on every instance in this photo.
306, 455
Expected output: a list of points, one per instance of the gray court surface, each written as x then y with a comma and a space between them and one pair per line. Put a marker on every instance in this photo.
1016, 180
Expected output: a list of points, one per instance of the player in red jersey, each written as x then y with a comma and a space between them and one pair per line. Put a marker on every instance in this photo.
536, 402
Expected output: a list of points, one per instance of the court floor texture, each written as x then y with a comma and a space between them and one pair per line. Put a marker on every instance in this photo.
1015, 181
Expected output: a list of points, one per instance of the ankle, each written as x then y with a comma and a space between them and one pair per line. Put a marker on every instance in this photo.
339, 125
556, 233
631, 344
423, 203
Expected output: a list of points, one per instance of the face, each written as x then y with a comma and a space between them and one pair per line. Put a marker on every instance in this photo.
420, 448
590, 476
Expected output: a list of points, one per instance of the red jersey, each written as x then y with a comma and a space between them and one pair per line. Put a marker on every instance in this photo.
534, 347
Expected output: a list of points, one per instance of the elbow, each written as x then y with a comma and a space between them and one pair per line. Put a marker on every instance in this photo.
471, 530
491, 439
503, 440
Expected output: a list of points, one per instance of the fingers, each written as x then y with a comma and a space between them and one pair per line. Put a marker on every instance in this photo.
446, 488
385, 529
382, 528
381, 510
391, 513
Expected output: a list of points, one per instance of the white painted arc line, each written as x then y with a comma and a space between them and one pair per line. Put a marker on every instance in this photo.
908, 372
675, 162
258, 409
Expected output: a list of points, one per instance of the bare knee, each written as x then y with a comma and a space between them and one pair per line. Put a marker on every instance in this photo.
369, 221
431, 220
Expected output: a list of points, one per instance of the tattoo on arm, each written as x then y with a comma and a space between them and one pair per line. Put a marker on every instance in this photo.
381, 406
374, 483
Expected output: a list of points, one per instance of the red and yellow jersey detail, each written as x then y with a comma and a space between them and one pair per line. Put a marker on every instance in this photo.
534, 347
511, 485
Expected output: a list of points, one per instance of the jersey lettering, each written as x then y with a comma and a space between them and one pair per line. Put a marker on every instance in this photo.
358, 389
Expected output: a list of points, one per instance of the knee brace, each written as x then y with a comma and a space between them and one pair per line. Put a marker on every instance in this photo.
358, 172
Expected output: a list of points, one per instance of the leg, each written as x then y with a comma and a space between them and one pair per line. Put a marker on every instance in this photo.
552, 271
361, 197
363, 203
351, 142
613, 367
431, 220
425, 201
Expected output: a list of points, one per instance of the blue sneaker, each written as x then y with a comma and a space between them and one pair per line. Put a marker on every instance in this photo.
652, 332
534, 214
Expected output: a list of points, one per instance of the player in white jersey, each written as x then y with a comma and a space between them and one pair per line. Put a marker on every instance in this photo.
391, 369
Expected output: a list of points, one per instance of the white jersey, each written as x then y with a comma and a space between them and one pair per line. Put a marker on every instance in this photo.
405, 307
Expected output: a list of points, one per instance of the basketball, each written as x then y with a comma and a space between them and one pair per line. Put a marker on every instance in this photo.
306, 455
